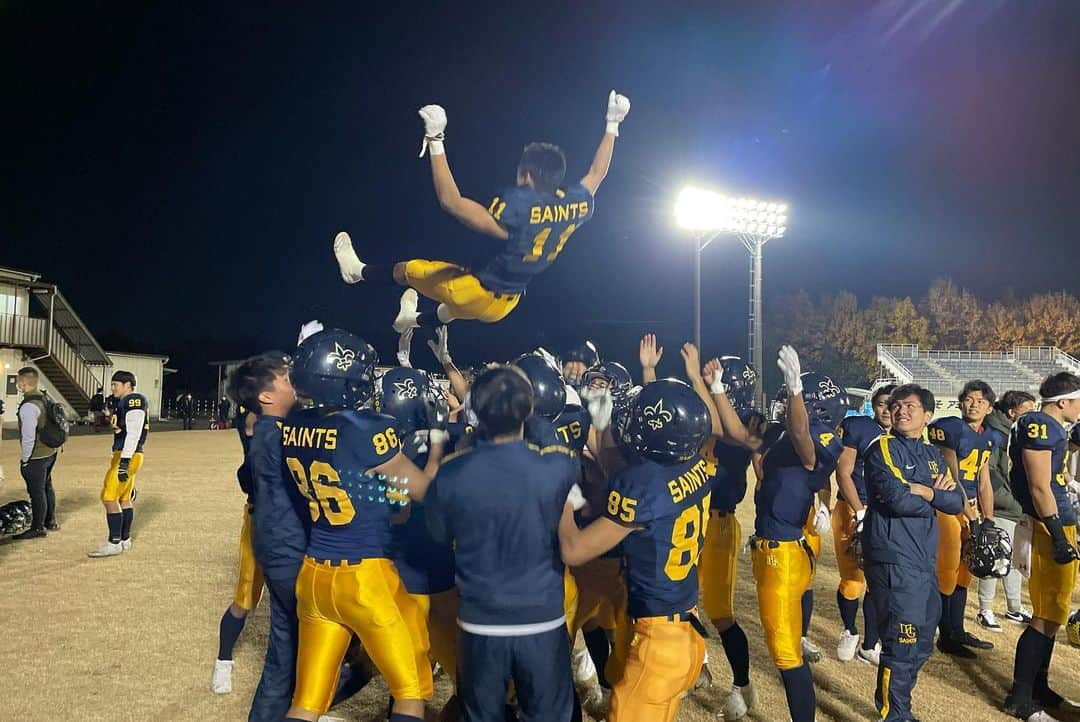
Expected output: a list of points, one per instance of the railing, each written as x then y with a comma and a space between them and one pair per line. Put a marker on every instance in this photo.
1069, 362
73, 365
900, 350
887, 357
1036, 353
23, 331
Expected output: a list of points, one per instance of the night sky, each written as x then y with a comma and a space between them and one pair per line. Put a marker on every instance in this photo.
180, 170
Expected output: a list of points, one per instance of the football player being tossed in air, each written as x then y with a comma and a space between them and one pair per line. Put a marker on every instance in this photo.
658, 508
795, 466
535, 218
858, 434
347, 461
1038, 447
966, 444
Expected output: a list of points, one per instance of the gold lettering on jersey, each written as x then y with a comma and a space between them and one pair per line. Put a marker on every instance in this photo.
558, 213
691, 481
309, 437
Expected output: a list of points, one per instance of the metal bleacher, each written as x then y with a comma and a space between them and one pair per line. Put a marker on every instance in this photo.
944, 372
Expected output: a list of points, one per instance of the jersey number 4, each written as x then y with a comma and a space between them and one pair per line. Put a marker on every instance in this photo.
686, 536
323, 499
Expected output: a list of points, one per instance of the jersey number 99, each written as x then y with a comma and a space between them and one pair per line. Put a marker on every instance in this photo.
323, 499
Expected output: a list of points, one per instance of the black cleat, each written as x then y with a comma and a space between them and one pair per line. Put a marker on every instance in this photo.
30, 534
52, 525
970, 640
953, 647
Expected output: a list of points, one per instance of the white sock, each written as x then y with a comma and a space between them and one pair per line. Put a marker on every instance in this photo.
350, 265
443, 312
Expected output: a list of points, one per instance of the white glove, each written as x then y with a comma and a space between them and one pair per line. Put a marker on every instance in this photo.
441, 346
575, 497
1074, 486
434, 129
859, 516
548, 356
789, 366
572, 397
617, 108
438, 436
718, 386
822, 523
600, 405
308, 329
404, 347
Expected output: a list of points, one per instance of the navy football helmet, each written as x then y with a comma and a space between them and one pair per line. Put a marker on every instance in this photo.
826, 401
413, 398
988, 553
668, 422
741, 380
584, 352
15, 517
335, 369
549, 389
614, 376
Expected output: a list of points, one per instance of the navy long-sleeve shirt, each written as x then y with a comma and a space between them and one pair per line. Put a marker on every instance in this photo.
280, 515
901, 527
500, 504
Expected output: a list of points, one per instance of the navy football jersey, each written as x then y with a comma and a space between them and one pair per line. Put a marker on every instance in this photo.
729, 465
572, 427
539, 225
972, 448
424, 565
1074, 437
668, 507
786, 492
131, 402
859, 432
1040, 432
323, 450
461, 434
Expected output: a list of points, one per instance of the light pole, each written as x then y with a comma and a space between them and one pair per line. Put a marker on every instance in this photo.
754, 222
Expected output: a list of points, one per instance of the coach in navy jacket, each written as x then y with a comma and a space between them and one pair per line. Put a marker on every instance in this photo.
907, 484
280, 540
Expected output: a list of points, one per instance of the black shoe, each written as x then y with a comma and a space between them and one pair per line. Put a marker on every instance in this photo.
970, 640
951, 646
52, 525
30, 534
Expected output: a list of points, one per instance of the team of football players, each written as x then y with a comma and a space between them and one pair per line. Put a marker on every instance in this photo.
438, 525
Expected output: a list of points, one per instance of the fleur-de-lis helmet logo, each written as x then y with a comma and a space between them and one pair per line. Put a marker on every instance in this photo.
828, 389
345, 357
748, 374
406, 389
656, 415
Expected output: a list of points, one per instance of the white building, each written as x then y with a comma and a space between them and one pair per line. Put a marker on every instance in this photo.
39, 328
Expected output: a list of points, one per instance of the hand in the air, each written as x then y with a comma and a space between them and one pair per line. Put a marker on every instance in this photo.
791, 369
617, 107
600, 405
713, 374
434, 120
648, 352
307, 330
692, 361
441, 345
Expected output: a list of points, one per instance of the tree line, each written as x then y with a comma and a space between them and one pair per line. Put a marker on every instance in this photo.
839, 336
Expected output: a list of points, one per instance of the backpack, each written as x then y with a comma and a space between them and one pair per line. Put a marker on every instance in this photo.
54, 433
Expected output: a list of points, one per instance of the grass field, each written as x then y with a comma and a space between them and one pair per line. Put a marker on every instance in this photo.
134, 637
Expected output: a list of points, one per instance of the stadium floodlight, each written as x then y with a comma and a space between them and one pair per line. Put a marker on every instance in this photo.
709, 215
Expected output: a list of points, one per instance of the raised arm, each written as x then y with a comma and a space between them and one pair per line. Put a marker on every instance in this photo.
618, 107
467, 211
692, 361
440, 346
798, 421
649, 354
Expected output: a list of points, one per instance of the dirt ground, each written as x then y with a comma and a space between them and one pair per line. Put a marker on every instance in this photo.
134, 637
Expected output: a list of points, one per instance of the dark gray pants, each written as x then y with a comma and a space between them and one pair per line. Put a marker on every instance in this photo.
539, 664
273, 697
37, 473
